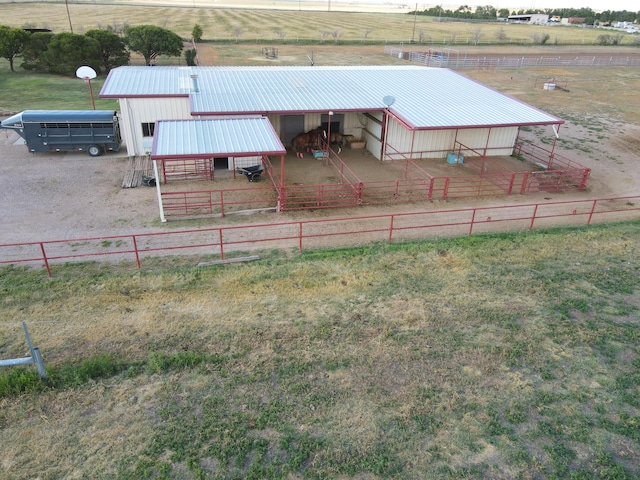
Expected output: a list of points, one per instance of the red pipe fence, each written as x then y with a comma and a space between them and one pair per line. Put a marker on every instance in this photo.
324, 233
555, 173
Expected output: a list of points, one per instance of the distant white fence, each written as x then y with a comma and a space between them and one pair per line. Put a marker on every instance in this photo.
455, 60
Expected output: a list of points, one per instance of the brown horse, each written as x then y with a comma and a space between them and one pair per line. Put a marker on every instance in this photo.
310, 140
339, 140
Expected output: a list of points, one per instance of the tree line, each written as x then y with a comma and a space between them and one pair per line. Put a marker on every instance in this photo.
488, 12
102, 50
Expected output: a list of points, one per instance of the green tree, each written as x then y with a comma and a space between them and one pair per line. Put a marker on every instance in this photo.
190, 56
113, 50
12, 43
504, 12
485, 12
196, 33
34, 53
68, 51
150, 41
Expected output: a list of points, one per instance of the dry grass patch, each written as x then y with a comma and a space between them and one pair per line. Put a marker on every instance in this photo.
481, 356
598, 98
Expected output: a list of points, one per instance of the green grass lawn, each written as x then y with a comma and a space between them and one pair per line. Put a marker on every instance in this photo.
22, 90
502, 356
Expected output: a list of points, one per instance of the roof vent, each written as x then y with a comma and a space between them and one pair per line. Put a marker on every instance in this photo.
194, 83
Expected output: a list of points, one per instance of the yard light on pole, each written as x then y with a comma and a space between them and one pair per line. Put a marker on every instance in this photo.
87, 73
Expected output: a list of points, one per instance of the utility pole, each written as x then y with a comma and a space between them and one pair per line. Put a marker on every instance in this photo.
66, 2
415, 13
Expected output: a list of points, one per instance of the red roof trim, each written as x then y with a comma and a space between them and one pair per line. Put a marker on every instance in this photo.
217, 155
157, 95
283, 112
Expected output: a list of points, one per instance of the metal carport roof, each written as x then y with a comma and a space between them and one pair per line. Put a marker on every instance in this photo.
209, 138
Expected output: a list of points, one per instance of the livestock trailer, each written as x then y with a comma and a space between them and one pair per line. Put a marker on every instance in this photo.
93, 131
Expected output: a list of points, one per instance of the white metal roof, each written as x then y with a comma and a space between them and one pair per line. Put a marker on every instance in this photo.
424, 98
147, 81
210, 138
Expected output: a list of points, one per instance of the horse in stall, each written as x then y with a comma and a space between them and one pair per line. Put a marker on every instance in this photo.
308, 141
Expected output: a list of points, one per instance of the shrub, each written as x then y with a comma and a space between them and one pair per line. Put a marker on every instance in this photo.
540, 38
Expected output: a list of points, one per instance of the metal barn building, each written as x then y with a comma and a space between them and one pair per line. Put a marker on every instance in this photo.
397, 110
195, 120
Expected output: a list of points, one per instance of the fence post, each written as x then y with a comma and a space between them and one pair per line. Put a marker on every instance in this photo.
533, 217
525, 180
446, 188
221, 244
511, 182
391, 228
300, 236
221, 204
44, 258
473, 218
593, 208
135, 249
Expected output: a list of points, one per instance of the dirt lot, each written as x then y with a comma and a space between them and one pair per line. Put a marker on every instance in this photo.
73, 195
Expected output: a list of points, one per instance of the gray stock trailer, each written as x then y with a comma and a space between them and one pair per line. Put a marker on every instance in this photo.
93, 131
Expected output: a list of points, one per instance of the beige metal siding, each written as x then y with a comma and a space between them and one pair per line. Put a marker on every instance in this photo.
426, 143
136, 111
437, 143
500, 140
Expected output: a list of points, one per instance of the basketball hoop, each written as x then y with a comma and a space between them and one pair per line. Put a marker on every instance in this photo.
86, 74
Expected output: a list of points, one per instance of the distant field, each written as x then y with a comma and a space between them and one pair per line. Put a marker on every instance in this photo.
288, 26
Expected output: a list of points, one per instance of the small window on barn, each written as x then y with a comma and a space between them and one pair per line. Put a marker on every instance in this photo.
148, 129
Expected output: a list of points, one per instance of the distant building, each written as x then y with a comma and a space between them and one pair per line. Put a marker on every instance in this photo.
534, 18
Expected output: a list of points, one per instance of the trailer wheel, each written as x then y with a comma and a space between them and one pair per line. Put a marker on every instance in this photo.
94, 150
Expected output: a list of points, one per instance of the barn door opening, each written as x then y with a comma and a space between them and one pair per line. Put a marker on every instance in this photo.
221, 163
290, 126
337, 122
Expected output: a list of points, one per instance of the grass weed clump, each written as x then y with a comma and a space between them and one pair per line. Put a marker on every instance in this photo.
16, 381
490, 356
